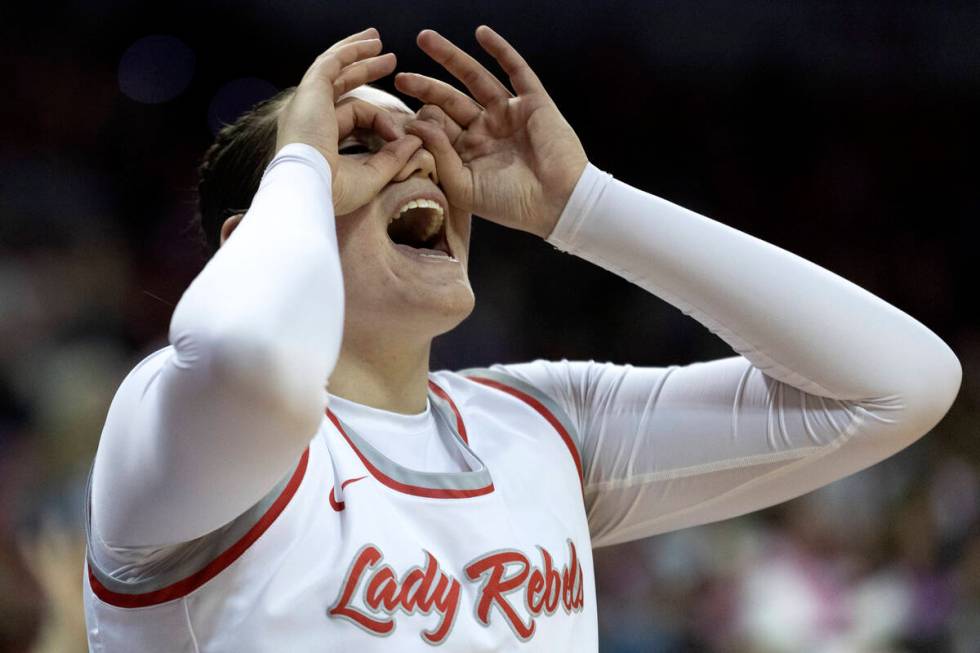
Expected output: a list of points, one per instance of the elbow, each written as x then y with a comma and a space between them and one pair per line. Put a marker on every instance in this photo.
933, 385
942, 383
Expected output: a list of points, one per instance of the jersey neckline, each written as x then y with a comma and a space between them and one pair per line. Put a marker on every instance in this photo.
436, 485
369, 418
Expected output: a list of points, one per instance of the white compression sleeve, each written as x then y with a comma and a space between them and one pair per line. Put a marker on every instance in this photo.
831, 380
200, 431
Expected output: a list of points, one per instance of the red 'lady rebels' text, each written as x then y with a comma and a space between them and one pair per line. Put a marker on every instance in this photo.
429, 589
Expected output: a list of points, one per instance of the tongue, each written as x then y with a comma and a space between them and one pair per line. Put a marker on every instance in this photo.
413, 228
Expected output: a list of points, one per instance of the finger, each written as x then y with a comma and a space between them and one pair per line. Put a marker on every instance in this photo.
459, 106
480, 82
330, 64
452, 174
363, 72
369, 33
354, 113
521, 76
436, 115
384, 164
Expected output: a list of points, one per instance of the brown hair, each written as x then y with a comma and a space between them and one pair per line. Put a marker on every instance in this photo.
232, 167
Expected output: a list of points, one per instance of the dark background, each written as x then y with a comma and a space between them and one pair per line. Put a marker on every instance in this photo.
844, 131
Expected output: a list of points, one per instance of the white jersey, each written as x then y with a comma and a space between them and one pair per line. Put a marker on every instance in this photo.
355, 550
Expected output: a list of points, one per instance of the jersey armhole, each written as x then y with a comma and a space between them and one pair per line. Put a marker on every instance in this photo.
172, 572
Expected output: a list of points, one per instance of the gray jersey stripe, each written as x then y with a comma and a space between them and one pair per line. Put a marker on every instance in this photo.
476, 479
186, 558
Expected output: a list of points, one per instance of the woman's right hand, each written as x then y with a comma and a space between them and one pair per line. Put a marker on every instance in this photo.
314, 117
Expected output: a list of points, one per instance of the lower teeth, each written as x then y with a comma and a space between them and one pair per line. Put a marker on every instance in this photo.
439, 255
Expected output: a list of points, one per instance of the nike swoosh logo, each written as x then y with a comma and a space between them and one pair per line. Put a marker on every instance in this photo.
340, 505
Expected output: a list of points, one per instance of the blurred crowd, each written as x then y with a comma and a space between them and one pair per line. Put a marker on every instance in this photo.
859, 156
888, 561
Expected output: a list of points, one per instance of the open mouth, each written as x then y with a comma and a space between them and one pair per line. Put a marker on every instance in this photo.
420, 224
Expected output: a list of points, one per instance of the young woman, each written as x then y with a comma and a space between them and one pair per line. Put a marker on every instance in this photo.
288, 475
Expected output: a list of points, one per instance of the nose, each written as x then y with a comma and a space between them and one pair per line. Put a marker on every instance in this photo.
421, 163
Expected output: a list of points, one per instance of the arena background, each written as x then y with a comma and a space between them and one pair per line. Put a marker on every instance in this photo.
844, 131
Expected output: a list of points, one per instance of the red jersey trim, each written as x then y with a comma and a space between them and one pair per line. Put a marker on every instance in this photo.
415, 490
544, 412
187, 585
442, 394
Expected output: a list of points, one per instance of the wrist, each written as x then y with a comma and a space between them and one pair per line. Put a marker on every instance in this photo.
562, 198
579, 208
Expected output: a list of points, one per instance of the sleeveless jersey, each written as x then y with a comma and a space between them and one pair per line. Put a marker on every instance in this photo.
353, 552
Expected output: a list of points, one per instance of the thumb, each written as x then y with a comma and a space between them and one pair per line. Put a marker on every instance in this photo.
356, 184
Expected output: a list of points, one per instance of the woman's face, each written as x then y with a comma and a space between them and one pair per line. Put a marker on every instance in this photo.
404, 266
405, 269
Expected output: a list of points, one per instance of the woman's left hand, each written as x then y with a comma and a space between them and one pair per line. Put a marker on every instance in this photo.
512, 159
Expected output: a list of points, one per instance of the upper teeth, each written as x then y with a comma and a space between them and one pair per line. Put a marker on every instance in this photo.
418, 204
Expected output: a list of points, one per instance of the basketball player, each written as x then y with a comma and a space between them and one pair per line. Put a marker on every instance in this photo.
288, 475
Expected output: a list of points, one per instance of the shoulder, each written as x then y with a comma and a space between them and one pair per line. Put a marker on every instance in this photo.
485, 381
539, 383
491, 390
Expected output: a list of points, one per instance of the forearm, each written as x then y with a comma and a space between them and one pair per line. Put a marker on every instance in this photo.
835, 379
796, 321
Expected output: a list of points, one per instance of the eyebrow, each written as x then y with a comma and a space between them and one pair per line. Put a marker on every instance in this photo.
363, 132
365, 136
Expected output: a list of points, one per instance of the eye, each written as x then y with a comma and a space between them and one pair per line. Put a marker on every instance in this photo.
354, 148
